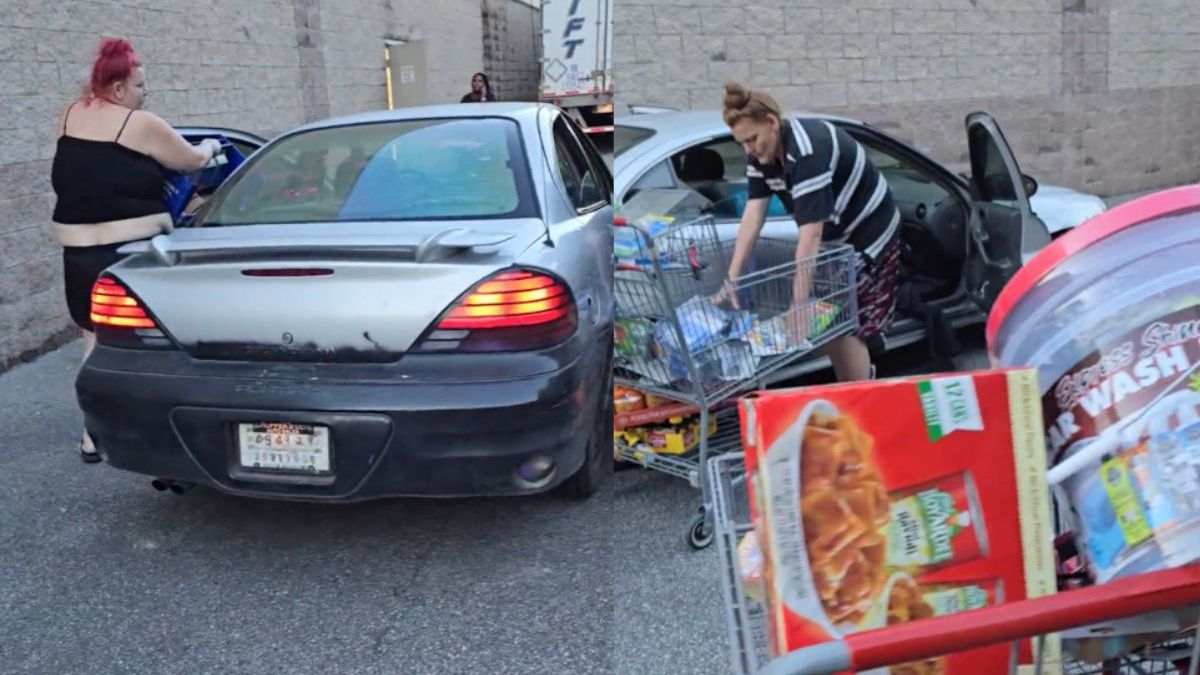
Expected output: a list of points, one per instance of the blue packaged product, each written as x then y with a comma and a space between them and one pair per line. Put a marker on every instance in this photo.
702, 323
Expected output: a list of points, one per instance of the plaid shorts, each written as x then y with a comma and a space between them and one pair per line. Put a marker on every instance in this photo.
877, 284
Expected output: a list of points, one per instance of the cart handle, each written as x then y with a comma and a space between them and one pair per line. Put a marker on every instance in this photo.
998, 624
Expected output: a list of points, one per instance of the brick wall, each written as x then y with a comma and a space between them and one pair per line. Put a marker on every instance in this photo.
512, 48
259, 65
1098, 95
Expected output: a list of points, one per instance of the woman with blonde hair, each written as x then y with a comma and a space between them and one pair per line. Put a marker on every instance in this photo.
835, 194
108, 178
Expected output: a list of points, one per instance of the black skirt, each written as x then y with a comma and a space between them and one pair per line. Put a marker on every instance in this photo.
82, 265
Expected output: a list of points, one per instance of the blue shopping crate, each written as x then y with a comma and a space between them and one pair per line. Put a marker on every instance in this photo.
179, 187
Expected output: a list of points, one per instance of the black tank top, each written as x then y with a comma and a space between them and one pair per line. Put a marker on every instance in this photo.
99, 181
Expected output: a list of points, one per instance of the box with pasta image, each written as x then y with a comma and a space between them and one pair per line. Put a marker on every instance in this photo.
884, 502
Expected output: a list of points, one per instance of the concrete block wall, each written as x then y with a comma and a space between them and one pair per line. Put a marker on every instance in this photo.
259, 65
1099, 95
512, 48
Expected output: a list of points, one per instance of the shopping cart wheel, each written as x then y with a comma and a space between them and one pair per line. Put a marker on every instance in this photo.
699, 535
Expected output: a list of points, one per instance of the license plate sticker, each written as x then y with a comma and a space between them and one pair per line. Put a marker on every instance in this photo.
284, 447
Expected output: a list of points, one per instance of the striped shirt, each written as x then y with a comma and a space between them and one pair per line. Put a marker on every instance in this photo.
827, 177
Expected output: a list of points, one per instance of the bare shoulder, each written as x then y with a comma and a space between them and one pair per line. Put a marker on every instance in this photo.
148, 122
63, 111
147, 132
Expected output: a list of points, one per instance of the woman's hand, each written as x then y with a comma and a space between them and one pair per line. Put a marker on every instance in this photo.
211, 147
797, 321
728, 293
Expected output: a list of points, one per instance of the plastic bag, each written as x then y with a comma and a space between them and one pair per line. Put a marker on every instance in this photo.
701, 323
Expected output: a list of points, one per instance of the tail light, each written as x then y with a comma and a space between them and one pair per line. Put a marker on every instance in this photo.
516, 310
120, 319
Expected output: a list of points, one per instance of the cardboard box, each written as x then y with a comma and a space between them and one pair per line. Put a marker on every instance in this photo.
888, 501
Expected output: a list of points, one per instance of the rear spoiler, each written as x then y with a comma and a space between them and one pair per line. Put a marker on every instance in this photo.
424, 248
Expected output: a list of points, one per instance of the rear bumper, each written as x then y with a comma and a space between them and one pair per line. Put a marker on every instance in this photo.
388, 437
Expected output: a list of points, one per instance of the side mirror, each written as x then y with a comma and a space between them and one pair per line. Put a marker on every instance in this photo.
1030, 185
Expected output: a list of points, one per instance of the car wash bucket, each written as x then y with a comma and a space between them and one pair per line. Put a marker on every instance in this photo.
1110, 316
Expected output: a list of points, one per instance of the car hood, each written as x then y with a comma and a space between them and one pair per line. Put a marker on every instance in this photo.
1062, 208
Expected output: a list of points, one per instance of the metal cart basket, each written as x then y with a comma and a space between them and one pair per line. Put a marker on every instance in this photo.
902, 643
678, 340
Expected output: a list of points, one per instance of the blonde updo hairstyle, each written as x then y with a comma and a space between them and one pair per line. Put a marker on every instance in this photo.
743, 103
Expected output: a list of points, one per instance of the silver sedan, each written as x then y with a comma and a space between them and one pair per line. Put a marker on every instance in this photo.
413, 302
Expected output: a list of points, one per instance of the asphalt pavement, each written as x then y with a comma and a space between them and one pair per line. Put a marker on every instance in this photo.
99, 573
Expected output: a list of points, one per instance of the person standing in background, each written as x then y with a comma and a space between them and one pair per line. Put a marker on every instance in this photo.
481, 90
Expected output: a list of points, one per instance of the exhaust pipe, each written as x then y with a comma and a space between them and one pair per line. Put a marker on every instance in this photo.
176, 487
181, 487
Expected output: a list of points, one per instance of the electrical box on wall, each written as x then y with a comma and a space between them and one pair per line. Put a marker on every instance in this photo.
407, 73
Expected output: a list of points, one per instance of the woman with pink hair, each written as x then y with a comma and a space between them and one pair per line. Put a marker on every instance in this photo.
108, 178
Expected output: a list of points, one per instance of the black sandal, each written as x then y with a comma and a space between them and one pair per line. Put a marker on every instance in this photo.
88, 457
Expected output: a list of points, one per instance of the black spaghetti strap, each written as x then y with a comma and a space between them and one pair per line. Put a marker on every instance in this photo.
123, 126
67, 115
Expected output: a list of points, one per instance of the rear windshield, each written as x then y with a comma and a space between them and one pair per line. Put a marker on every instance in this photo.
443, 169
627, 137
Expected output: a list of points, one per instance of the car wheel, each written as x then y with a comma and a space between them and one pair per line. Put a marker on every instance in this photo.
598, 462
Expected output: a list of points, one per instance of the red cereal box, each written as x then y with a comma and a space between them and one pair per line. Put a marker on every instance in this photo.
884, 502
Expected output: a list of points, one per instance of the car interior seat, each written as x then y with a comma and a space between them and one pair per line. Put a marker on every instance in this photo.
934, 247
703, 170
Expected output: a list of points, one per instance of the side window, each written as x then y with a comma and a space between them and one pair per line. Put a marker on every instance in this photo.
717, 170
909, 185
566, 168
657, 178
598, 167
583, 187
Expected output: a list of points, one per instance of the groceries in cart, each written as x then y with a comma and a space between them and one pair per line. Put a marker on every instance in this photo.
629, 246
722, 345
648, 423
885, 502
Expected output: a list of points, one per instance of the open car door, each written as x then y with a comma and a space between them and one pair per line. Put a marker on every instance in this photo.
199, 187
246, 142
1003, 230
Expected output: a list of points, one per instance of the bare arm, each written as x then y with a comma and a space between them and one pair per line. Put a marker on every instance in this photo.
173, 151
753, 218
808, 245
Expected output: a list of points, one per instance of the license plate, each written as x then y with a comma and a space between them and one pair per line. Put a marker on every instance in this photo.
286, 447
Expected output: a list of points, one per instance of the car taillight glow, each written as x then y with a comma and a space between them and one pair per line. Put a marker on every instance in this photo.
112, 305
515, 310
509, 300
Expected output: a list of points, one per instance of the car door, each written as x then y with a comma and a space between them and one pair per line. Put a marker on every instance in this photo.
243, 142
246, 143
583, 242
1003, 230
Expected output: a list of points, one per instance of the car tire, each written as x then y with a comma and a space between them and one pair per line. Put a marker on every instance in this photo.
598, 461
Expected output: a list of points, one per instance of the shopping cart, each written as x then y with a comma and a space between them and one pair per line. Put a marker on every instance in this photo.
674, 342
1010, 622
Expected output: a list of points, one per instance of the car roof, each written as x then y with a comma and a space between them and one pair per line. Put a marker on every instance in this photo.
705, 118
521, 111
682, 127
